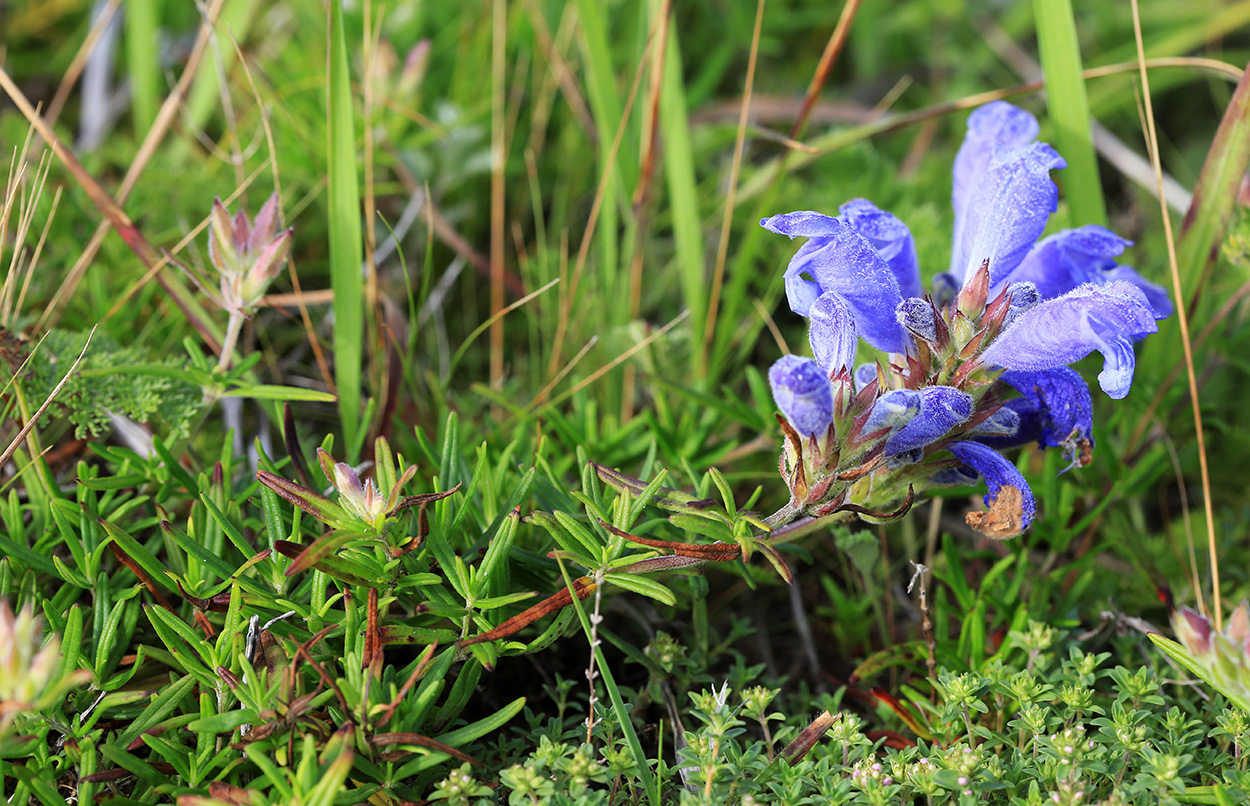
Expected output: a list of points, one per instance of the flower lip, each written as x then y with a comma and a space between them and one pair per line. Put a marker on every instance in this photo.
1064, 330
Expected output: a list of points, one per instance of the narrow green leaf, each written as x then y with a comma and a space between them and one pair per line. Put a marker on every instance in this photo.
1215, 195
1069, 110
263, 391
644, 586
346, 250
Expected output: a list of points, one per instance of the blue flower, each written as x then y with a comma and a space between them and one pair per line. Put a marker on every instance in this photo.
941, 409
802, 392
1007, 317
1073, 257
838, 259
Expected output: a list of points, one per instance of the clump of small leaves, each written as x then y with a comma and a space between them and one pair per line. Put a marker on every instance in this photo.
112, 380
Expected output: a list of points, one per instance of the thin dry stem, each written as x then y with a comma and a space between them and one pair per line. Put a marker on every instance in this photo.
1182, 318
827, 60
499, 154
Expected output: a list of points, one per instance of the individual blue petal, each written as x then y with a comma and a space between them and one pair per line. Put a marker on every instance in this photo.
1061, 262
892, 240
801, 224
941, 409
1030, 421
995, 127
1063, 330
1003, 422
802, 392
892, 410
844, 262
1006, 211
1010, 500
833, 334
1065, 412
918, 316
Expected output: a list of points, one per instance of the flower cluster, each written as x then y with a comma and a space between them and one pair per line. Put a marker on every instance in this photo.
1220, 658
28, 666
977, 366
247, 254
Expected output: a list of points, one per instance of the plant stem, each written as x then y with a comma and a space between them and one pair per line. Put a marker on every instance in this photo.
233, 328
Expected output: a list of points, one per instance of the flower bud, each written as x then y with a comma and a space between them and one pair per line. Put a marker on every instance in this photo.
801, 390
918, 316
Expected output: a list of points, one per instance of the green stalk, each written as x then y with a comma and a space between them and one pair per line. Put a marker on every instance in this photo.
1069, 110
346, 249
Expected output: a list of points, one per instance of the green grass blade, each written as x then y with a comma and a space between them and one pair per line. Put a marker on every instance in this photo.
346, 247
1216, 193
683, 199
142, 68
1069, 110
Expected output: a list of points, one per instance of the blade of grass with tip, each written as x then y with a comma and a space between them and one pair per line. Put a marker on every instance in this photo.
1069, 110
345, 230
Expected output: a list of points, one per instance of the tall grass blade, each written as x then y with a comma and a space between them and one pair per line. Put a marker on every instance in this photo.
683, 201
345, 231
142, 65
1069, 110
1216, 193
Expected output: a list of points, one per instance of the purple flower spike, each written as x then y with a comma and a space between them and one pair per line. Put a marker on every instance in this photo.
941, 409
1031, 421
1006, 211
892, 240
1064, 411
1061, 262
1010, 500
839, 259
801, 389
1061, 331
833, 334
